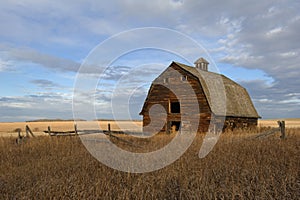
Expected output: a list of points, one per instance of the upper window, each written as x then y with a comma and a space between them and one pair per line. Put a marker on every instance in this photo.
184, 78
174, 107
166, 80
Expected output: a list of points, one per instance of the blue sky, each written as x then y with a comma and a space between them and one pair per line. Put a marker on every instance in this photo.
43, 44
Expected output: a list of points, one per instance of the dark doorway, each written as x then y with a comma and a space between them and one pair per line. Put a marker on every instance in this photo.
175, 107
175, 126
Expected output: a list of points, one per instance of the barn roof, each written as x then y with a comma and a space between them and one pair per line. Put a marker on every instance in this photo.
218, 87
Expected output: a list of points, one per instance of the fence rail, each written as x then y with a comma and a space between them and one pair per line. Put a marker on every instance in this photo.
280, 129
109, 132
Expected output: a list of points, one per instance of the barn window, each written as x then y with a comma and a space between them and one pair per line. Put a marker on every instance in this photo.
174, 107
183, 78
166, 80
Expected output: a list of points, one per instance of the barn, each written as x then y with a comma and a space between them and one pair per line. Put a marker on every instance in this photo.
209, 99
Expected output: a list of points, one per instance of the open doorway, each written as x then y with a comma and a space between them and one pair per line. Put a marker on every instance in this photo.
174, 126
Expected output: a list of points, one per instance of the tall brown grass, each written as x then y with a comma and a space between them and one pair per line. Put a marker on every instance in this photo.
237, 168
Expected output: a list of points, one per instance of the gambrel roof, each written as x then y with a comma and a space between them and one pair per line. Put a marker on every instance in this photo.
217, 87
224, 96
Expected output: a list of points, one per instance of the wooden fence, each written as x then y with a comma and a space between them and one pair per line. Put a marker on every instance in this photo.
280, 129
22, 138
109, 132
81, 132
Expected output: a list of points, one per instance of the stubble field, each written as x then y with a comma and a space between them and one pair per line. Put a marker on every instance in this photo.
8, 129
239, 167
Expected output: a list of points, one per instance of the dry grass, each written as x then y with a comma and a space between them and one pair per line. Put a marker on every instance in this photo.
237, 168
8, 128
290, 123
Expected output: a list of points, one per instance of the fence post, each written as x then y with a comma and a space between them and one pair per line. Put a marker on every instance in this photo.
28, 130
19, 132
282, 129
49, 130
75, 127
19, 139
108, 127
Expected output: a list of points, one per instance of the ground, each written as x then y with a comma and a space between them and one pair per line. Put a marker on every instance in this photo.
9, 128
239, 167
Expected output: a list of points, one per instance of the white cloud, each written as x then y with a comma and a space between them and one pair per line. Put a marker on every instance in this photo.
292, 100
16, 105
289, 54
14, 55
263, 100
4, 65
48, 105
274, 31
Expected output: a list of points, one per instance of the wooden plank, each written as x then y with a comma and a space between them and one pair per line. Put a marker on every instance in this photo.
59, 132
28, 130
75, 128
266, 133
282, 128
49, 130
160, 94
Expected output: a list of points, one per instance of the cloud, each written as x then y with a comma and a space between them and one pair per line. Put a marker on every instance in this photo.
273, 101
70, 23
43, 83
43, 105
17, 55
5, 65
115, 72
266, 38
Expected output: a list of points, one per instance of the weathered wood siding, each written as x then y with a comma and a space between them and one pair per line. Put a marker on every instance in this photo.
176, 84
163, 90
239, 122
222, 123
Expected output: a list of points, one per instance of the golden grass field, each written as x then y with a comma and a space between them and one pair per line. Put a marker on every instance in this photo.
239, 167
289, 123
8, 128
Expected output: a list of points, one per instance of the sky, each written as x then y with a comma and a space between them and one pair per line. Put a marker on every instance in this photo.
48, 47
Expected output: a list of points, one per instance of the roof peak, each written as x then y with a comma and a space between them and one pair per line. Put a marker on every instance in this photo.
201, 60
201, 64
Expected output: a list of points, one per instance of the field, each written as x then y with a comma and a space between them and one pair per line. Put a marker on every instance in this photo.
9, 128
238, 167
290, 123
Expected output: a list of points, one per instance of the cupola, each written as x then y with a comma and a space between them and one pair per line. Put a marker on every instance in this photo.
201, 64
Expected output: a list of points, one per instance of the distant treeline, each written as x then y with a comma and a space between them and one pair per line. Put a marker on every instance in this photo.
67, 120
135, 120
55, 120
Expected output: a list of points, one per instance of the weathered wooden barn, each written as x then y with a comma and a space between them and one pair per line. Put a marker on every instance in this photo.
207, 97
